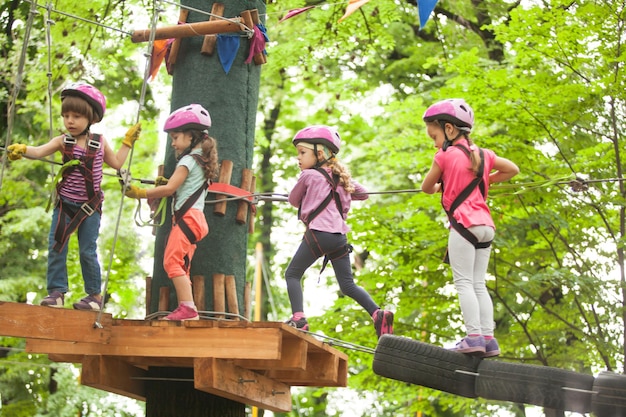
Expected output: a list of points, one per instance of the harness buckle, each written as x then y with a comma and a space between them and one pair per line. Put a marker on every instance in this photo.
87, 209
95, 144
69, 140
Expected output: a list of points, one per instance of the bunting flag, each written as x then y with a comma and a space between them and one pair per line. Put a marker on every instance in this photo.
353, 6
424, 9
295, 12
257, 43
160, 48
227, 47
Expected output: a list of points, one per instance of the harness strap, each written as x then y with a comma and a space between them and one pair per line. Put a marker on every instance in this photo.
94, 203
317, 250
476, 182
178, 214
333, 194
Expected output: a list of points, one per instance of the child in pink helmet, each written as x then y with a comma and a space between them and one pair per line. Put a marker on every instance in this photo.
197, 164
78, 205
323, 194
462, 172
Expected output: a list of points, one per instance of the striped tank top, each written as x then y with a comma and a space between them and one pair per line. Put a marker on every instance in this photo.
73, 187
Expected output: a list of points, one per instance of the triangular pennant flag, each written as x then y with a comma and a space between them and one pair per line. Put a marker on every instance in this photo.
227, 47
257, 44
353, 6
295, 12
424, 9
160, 47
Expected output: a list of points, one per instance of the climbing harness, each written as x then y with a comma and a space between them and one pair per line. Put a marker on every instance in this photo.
476, 182
309, 236
177, 218
94, 199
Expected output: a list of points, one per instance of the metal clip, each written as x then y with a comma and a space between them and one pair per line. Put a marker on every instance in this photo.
69, 140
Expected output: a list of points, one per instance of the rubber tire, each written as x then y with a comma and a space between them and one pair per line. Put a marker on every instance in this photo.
537, 385
609, 398
418, 363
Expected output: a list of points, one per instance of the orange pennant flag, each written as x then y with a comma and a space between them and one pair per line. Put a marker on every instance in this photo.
159, 49
353, 6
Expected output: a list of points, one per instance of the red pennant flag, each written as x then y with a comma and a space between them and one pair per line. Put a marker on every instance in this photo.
294, 12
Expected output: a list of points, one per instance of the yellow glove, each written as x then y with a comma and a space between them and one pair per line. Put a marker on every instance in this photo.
15, 151
132, 135
135, 192
160, 181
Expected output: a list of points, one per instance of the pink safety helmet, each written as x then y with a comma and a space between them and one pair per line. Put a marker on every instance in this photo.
319, 134
191, 116
91, 95
454, 110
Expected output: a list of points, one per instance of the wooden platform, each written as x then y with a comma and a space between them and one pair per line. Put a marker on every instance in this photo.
254, 363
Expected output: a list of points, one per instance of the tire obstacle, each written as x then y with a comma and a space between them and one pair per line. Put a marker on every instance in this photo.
419, 363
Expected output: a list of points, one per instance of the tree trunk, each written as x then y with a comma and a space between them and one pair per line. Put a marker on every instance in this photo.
231, 99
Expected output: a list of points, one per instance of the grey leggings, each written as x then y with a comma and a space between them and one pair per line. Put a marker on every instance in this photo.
304, 258
469, 267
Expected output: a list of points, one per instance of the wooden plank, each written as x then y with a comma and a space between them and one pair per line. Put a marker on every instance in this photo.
293, 357
208, 45
174, 342
189, 30
223, 378
322, 370
41, 322
113, 375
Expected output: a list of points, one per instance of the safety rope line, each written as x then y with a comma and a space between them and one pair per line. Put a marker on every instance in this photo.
155, 17
17, 85
93, 22
248, 31
48, 23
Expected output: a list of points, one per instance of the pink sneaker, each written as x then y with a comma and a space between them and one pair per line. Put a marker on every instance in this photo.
181, 313
383, 322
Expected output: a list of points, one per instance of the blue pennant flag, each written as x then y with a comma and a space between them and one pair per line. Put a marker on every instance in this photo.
424, 9
227, 47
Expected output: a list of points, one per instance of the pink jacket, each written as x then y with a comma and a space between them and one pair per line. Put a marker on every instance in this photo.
310, 191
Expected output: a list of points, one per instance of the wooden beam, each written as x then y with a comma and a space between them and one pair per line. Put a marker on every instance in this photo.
169, 340
322, 370
113, 375
189, 29
40, 322
293, 357
223, 378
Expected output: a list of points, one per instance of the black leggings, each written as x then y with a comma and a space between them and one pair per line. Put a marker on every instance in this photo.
304, 258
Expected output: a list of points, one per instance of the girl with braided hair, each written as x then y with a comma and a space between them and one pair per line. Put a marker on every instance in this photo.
323, 194
197, 165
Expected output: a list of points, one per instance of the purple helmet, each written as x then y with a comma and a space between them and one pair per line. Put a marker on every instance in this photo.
191, 116
91, 95
319, 134
454, 110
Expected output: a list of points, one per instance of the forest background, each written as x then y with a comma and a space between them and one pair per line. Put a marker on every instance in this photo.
546, 81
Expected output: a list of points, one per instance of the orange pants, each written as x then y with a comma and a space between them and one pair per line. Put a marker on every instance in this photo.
179, 250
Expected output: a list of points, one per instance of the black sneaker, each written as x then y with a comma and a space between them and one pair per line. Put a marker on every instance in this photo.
301, 324
383, 322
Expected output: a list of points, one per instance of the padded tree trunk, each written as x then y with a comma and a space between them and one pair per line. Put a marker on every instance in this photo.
231, 100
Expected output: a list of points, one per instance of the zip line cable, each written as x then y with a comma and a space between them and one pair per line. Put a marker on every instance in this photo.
155, 16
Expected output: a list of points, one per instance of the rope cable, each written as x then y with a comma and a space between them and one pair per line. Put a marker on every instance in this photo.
17, 86
155, 16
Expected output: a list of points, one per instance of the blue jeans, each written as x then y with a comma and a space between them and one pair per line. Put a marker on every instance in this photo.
88, 232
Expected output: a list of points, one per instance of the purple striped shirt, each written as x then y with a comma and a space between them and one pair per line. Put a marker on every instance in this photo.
73, 187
